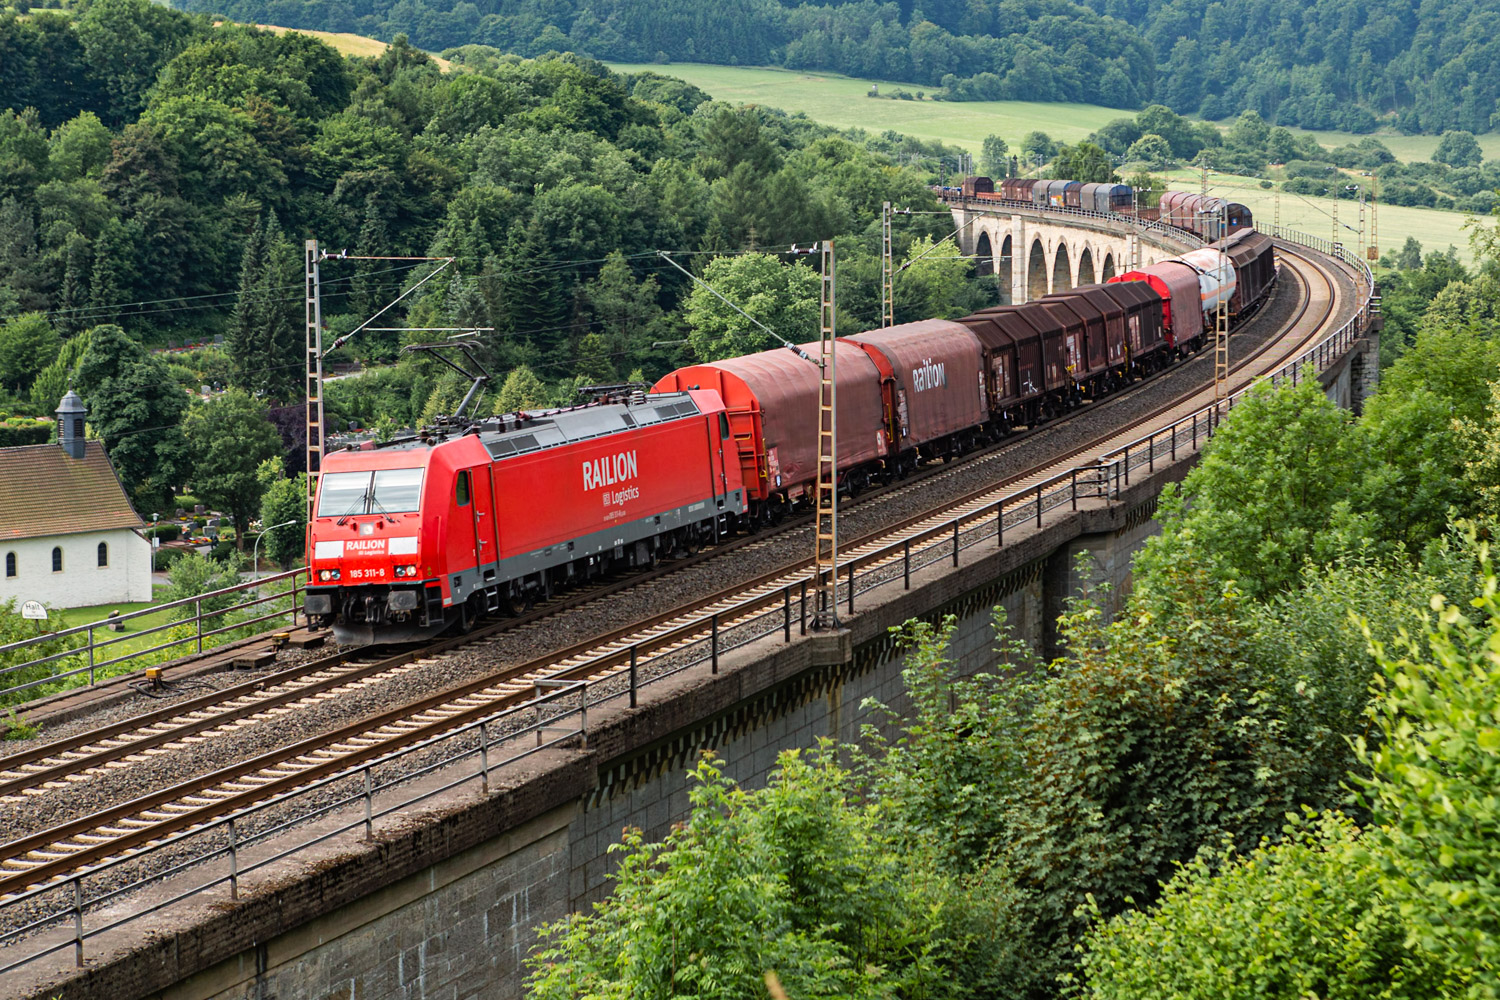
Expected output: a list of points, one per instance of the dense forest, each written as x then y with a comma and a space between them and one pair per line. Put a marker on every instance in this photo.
159, 182
1322, 64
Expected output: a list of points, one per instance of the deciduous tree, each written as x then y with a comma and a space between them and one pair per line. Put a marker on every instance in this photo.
136, 408
781, 296
230, 437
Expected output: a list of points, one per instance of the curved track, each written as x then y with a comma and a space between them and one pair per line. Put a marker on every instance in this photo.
127, 828
58, 765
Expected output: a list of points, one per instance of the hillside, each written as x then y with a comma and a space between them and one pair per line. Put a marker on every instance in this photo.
1321, 64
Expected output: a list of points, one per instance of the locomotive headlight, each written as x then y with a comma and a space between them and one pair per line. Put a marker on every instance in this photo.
328, 574
406, 571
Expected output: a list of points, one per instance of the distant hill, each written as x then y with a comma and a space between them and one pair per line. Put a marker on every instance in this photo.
1323, 64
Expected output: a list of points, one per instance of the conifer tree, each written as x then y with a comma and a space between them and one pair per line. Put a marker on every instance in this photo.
249, 311
73, 296
111, 274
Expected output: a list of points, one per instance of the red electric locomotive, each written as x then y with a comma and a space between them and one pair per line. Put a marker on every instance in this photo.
422, 533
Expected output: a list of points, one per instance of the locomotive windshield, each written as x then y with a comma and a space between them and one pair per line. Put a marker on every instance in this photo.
388, 491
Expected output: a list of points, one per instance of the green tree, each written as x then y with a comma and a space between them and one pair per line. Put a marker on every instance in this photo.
73, 296
1250, 131
194, 574
28, 344
265, 337
1084, 162
52, 382
522, 390
1309, 916
593, 361
932, 281
1152, 150
994, 160
111, 279
1037, 148
1414, 424
1458, 148
626, 310
126, 43
79, 148
781, 296
1148, 189
284, 499
136, 409
230, 437
1410, 257
1272, 489
1435, 768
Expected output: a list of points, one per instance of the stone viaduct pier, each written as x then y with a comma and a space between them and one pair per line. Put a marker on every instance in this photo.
443, 900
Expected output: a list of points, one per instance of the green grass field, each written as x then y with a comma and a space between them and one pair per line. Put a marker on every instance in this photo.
841, 101
1405, 147
129, 640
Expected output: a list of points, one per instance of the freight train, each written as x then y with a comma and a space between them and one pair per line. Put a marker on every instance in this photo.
1205, 216
475, 518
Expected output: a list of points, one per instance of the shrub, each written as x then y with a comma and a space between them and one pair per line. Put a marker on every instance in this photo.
16, 431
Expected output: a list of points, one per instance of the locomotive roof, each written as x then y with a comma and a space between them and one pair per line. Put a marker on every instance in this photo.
552, 428
519, 433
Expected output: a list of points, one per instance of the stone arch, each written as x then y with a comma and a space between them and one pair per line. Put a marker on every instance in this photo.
1108, 270
1062, 268
1086, 267
1005, 270
984, 262
1036, 271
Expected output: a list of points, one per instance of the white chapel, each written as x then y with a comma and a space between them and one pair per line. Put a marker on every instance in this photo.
69, 537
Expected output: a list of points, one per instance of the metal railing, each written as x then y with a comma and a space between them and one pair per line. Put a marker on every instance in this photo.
96, 645
371, 790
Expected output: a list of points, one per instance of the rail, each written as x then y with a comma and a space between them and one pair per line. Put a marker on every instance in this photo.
371, 790
95, 653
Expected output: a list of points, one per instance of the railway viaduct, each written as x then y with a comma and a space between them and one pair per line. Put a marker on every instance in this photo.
443, 900
1033, 252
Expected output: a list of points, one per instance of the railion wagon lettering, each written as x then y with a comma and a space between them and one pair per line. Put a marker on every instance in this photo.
929, 375
609, 470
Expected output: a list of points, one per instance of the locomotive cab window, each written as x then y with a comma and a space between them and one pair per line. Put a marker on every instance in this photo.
723, 427
341, 493
387, 491
397, 491
461, 491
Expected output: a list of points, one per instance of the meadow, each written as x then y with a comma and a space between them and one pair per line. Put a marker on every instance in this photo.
843, 102
348, 44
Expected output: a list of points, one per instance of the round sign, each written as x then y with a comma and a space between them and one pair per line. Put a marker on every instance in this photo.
34, 610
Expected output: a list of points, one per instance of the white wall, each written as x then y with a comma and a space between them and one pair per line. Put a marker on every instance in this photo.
83, 581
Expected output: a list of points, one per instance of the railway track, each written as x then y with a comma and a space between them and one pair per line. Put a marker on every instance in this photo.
51, 855
60, 765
